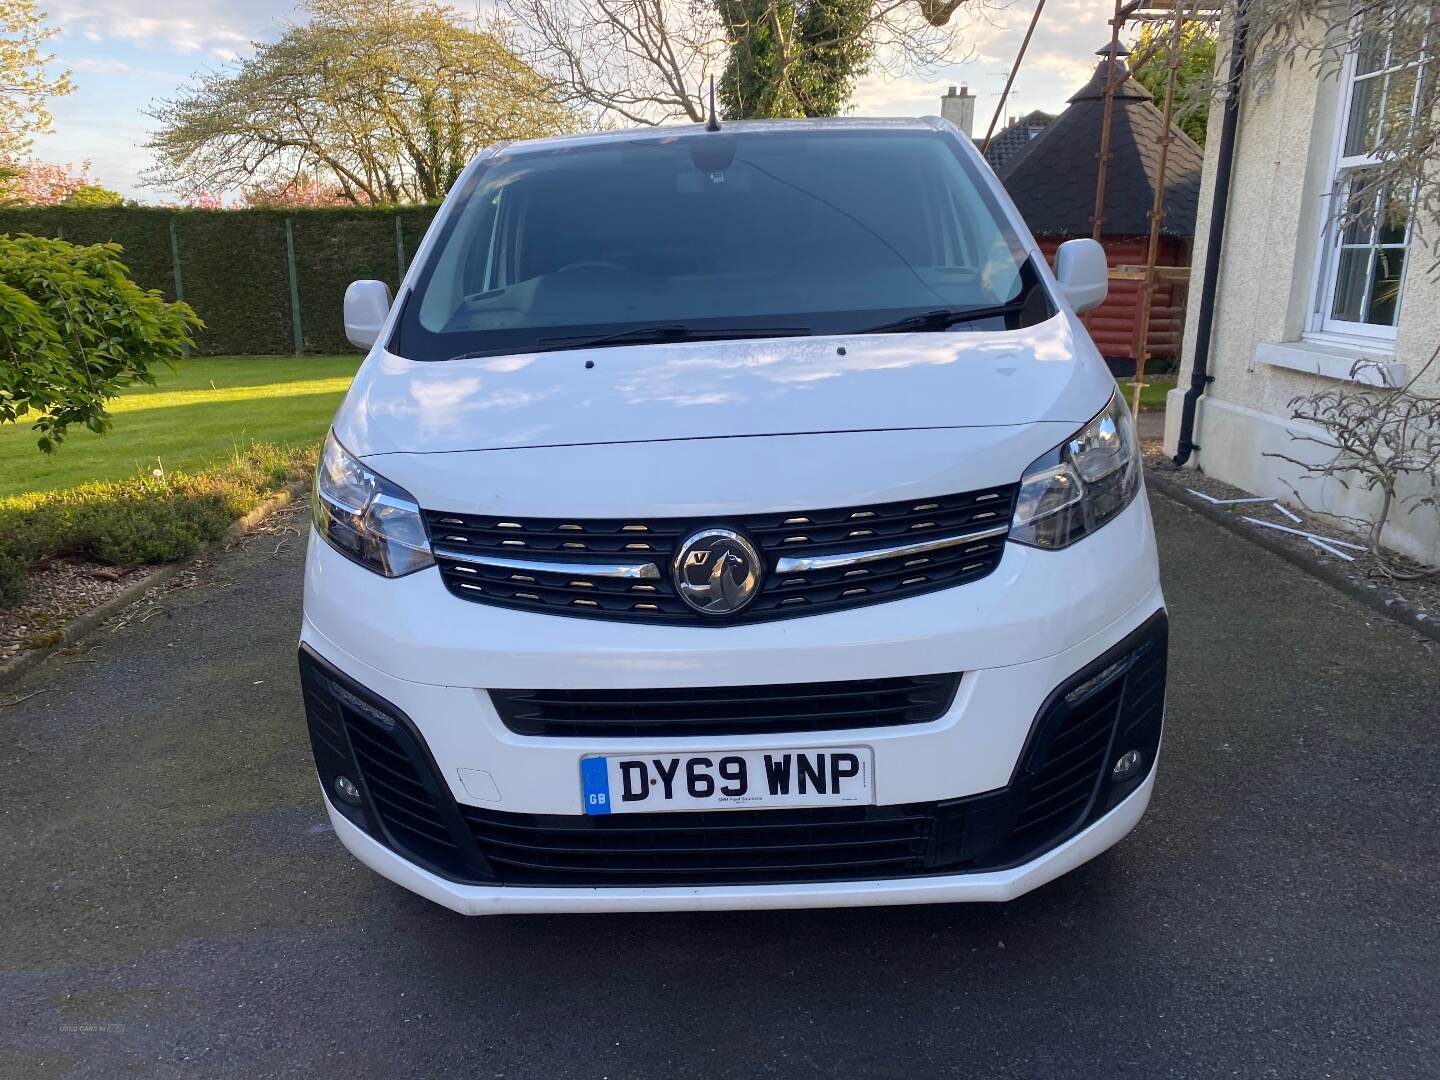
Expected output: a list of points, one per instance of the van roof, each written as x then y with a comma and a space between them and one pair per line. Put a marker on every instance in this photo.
747, 127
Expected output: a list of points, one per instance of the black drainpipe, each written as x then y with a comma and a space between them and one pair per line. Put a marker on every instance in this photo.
1199, 372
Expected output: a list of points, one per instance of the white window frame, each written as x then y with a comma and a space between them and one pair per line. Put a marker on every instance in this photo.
1321, 326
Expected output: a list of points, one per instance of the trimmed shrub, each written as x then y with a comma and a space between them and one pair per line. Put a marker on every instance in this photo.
12, 580
233, 263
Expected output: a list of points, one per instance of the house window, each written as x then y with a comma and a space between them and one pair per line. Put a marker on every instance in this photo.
1366, 237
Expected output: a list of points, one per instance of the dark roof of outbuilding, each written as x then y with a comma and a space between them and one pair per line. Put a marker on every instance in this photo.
1007, 143
1052, 178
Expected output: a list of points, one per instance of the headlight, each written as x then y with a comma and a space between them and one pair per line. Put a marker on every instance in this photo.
1081, 484
367, 517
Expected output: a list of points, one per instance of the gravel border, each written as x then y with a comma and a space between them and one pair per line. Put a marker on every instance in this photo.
82, 624
1372, 594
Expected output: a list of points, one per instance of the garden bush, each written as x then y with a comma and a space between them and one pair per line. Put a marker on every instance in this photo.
139, 521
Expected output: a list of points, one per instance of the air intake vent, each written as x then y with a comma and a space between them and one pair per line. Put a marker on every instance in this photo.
727, 710
1113, 705
719, 848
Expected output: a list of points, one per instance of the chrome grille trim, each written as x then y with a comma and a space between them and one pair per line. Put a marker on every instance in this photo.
642, 571
894, 550
801, 564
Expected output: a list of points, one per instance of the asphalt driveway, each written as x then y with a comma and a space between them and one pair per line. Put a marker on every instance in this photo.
172, 902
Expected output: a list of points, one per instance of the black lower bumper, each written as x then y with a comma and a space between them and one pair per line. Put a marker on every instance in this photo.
393, 790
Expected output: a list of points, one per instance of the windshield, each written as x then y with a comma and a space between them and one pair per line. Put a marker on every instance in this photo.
713, 235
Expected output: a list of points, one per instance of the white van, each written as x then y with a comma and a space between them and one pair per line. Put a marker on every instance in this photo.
732, 519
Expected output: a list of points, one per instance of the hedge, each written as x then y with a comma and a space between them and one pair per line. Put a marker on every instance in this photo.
235, 266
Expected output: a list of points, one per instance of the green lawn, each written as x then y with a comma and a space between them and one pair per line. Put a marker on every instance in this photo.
1153, 395
196, 415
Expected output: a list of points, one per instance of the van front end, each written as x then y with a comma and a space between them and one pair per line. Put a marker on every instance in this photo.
737, 520
510, 733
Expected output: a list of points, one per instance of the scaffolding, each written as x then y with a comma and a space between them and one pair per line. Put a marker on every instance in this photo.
1177, 13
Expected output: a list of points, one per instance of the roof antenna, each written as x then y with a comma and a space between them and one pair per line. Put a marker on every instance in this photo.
712, 124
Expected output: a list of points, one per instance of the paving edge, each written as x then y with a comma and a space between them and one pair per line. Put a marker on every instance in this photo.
87, 621
1352, 585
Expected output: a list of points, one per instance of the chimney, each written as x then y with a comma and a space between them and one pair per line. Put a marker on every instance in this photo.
959, 109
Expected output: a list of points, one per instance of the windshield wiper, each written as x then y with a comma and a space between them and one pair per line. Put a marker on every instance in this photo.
648, 335
940, 318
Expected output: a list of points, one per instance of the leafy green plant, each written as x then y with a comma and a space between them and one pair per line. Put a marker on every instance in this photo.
1193, 74
74, 330
93, 195
12, 580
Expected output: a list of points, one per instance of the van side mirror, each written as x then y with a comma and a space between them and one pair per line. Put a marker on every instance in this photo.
367, 303
1083, 274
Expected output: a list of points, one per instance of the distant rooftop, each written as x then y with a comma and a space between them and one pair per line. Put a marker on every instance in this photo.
1006, 143
1052, 176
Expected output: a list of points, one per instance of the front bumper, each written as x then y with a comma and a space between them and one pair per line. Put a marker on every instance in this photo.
997, 885
1062, 805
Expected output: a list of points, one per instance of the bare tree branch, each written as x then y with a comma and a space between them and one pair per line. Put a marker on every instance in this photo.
648, 61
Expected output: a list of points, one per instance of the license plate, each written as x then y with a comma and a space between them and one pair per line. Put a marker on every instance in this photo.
739, 780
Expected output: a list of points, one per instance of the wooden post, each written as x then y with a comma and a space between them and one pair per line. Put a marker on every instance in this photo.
1157, 209
299, 333
1097, 219
179, 280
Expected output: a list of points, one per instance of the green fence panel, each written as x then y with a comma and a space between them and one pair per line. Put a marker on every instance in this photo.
235, 265
330, 253
236, 278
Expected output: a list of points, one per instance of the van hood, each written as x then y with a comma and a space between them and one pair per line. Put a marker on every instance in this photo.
719, 389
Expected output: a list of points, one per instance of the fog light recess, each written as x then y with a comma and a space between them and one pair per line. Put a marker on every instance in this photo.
347, 792
1126, 765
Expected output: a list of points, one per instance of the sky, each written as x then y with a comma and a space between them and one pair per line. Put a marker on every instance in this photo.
127, 54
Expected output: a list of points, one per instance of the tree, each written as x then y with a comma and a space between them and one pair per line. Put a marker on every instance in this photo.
25, 83
75, 330
41, 183
390, 98
649, 61
793, 59
93, 195
641, 61
1193, 78
1388, 444
302, 191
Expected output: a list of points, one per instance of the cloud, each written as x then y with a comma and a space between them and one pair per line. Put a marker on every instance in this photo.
216, 28
89, 65
1057, 63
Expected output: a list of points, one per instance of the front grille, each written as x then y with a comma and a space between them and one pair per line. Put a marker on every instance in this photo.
709, 848
554, 565
1062, 783
727, 710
